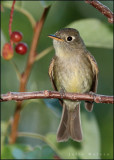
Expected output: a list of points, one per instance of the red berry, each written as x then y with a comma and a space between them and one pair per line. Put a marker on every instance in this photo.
21, 48
16, 36
7, 51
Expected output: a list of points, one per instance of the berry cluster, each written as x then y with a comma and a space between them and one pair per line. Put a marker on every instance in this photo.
15, 37
20, 48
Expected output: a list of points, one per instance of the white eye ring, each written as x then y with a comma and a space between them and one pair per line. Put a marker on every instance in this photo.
70, 38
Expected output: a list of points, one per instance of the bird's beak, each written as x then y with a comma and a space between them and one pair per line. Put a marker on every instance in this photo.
55, 37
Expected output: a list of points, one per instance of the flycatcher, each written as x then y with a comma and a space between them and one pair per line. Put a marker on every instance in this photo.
73, 69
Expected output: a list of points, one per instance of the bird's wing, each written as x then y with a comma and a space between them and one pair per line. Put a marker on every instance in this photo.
89, 105
95, 72
51, 75
50, 72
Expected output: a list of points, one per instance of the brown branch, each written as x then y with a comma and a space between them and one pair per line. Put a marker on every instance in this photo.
20, 96
103, 9
25, 75
32, 54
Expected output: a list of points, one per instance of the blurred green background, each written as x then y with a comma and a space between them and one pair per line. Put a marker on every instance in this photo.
43, 116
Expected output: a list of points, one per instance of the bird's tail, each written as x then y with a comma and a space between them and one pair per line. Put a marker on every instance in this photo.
70, 126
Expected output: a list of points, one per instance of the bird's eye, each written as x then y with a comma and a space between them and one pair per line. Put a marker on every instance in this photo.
69, 38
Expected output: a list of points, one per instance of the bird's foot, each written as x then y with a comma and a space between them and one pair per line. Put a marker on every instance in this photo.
62, 93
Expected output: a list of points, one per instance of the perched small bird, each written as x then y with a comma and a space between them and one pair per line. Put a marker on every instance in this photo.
73, 69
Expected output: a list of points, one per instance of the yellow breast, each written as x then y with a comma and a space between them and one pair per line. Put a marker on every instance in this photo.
74, 75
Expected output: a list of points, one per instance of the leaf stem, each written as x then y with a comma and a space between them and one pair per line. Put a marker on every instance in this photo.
43, 53
32, 135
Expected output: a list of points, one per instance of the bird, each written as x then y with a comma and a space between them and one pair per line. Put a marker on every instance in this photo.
72, 69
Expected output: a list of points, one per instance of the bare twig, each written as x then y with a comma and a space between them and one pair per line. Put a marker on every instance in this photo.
20, 96
103, 9
25, 75
11, 17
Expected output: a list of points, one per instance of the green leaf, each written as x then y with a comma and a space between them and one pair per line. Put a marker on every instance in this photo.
18, 3
94, 33
44, 152
46, 3
18, 153
26, 152
84, 149
7, 153
47, 152
34, 8
23, 11
14, 151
